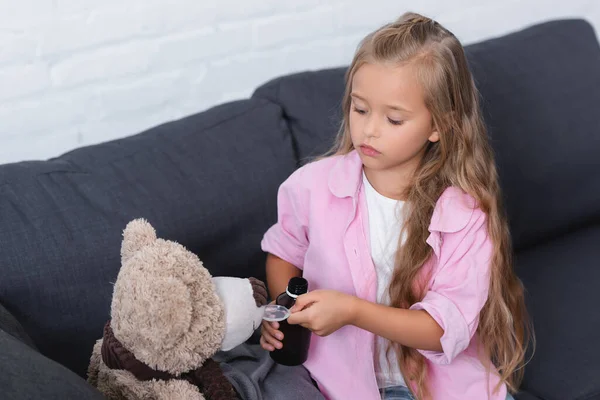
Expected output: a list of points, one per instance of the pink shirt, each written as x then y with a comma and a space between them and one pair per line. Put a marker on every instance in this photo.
322, 228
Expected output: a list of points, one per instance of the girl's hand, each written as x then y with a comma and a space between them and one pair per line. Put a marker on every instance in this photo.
270, 336
323, 311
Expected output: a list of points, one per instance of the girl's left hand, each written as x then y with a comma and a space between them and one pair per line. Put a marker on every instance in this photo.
323, 311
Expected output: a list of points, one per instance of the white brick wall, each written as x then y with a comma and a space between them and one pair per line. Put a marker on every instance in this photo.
78, 72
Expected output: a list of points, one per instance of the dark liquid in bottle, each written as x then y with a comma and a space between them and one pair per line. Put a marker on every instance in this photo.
296, 338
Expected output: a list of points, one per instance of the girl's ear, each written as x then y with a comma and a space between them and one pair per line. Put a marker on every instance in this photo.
435, 136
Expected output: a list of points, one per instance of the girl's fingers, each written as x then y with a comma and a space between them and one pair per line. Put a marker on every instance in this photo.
268, 327
270, 338
265, 345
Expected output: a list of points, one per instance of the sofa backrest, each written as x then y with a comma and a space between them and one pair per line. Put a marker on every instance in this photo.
208, 181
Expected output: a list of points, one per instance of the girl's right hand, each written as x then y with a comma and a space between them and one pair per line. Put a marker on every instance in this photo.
271, 336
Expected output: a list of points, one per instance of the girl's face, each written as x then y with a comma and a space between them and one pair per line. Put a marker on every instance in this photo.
389, 123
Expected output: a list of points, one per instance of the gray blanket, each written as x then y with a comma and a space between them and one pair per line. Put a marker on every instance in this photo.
256, 376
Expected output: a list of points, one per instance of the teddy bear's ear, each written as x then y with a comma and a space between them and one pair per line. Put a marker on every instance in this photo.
137, 234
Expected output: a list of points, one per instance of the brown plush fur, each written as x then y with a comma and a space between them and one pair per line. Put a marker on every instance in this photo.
166, 311
165, 308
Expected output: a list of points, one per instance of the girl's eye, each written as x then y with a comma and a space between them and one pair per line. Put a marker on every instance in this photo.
394, 122
358, 110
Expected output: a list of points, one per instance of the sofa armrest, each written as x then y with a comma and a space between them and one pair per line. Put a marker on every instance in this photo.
10, 325
27, 374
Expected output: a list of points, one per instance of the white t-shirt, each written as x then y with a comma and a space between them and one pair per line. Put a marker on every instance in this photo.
384, 232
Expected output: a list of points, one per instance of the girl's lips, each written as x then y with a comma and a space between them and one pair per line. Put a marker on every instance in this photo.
369, 151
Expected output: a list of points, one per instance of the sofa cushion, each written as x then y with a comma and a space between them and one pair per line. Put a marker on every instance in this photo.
561, 278
10, 325
541, 112
208, 181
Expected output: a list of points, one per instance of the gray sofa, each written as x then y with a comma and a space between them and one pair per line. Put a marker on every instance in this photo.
210, 180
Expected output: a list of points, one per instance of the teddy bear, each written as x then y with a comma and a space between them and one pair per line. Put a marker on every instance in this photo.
168, 317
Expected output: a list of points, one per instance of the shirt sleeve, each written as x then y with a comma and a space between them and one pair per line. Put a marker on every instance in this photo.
288, 237
460, 290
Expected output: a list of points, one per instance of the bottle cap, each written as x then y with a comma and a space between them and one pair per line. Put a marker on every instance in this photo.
275, 312
297, 286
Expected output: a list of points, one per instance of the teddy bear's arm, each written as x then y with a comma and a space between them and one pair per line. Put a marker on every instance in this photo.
259, 291
214, 385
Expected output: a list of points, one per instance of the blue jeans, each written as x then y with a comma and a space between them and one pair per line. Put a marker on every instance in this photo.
396, 393
402, 393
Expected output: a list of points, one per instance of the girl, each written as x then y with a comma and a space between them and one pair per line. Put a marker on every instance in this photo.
401, 235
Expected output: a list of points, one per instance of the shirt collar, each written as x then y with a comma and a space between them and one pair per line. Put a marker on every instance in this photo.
452, 212
345, 176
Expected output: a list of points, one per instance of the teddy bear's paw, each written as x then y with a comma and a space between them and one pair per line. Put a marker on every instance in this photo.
259, 291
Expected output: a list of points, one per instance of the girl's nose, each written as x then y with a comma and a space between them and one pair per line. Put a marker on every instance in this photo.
371, 126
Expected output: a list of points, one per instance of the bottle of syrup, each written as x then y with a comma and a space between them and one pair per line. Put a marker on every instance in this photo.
296, 338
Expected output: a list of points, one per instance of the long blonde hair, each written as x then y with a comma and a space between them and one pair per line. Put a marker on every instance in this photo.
462, 158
